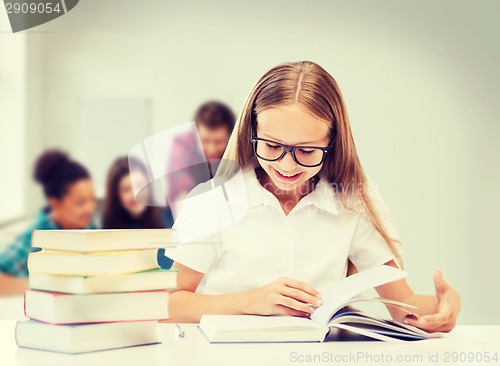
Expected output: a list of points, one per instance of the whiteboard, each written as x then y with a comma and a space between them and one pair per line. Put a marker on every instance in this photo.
108, 128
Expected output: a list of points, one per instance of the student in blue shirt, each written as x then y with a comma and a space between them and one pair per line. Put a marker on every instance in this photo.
67, 185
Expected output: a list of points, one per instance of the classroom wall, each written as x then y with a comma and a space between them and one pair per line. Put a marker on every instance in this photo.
420, 80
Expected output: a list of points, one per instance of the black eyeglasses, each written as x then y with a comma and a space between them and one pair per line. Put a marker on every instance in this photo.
307, 156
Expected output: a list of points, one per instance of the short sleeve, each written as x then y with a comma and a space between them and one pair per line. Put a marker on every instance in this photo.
14, 257
200, 222
368, 248
199, 255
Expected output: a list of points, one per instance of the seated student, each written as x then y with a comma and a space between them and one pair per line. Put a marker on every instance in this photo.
121, 208
309, 212
214, 123
68, 188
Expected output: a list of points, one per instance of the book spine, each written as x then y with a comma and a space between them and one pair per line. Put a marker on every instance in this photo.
16, 331
24, 304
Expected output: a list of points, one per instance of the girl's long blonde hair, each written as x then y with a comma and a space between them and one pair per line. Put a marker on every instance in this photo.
312, 87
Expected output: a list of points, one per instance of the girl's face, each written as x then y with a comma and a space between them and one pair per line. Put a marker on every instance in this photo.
75, 209
290, 125
126, 193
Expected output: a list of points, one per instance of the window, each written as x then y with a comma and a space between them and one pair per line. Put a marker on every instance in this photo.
12, 122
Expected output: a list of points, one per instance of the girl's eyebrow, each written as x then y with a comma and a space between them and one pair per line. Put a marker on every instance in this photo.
299, 143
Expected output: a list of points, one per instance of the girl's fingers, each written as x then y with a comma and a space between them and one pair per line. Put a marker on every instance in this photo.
433, 321
422, 324
301, 296
444, 311
439, 283
294, 304
445, 308
290, 282
448, 308
431, 327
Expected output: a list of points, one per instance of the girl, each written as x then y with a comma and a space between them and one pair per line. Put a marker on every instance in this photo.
70, 196
310, 213
121, 209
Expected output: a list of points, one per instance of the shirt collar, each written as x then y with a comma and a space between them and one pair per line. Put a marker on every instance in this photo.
44, 221
323, 196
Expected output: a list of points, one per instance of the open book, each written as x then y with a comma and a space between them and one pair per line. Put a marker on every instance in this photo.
336, 319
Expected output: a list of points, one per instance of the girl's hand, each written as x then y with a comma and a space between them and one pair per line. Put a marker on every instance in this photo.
284, 296
448, 307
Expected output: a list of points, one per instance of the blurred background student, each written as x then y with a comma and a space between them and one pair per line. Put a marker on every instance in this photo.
214, 122
69, 192
121, 208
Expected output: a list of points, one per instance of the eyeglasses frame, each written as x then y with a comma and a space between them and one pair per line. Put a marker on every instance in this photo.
286, 148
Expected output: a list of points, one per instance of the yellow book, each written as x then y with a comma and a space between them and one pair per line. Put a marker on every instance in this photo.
59, 308
92, 264
103, 240
155, 279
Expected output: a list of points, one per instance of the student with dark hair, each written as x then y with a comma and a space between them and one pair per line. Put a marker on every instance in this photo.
214, 122
121, 208
68, 188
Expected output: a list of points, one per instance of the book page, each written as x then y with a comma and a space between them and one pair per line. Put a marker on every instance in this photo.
367, 333
376, 299
358, 317
340, 292
254, 322
256, 328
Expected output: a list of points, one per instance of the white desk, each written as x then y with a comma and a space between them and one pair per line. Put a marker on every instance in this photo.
195, 350
12, 308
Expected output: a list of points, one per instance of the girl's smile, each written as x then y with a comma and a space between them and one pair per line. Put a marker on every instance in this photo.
287, 177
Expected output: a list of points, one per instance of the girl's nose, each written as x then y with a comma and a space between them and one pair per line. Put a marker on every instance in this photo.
287, 163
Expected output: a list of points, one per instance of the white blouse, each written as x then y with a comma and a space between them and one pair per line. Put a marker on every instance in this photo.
311, 244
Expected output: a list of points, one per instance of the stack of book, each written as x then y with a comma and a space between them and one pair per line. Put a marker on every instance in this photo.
93, 290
